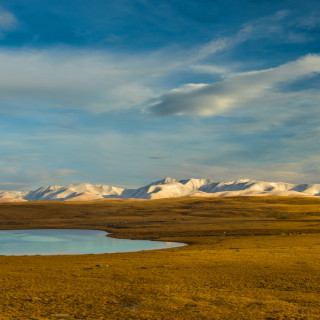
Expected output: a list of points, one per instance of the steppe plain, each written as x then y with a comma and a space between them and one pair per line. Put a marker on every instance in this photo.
247, 258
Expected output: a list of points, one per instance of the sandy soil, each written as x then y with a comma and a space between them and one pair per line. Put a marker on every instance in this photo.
248, 258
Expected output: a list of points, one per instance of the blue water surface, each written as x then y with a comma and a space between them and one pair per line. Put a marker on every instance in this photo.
70, 241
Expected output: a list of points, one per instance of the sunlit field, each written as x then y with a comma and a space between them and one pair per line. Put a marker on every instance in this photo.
247, 258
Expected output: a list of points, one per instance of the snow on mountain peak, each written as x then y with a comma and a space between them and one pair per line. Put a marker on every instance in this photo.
164, 181
165, 188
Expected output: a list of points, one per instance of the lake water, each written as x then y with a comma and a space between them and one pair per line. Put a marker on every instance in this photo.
70, 241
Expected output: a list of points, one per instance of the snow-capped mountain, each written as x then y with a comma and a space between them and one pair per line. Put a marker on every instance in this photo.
72, 190
166, 188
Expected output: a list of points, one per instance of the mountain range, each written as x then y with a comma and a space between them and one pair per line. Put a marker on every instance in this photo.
166, 188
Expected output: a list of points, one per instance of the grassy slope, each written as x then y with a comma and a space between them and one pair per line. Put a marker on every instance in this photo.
249, 258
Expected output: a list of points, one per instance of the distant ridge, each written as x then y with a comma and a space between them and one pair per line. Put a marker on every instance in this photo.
165, 188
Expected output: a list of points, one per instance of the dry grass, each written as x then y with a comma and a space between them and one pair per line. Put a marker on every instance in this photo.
248, 258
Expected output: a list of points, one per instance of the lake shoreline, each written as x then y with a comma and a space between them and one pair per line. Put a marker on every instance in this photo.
246, 259
28, 242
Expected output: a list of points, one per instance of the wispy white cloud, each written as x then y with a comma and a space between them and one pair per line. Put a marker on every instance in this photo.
16, 178
67, 172
235, 90
7, 21
94, 81
310, 22
266, 27
102, 81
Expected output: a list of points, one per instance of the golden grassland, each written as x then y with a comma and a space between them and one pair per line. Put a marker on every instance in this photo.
248, 258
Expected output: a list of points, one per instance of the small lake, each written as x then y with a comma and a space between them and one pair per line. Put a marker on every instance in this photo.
71, 241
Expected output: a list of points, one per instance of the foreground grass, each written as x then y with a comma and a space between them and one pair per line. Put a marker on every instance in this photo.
248, 258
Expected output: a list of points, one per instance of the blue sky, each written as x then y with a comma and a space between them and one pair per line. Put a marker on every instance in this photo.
125, 92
